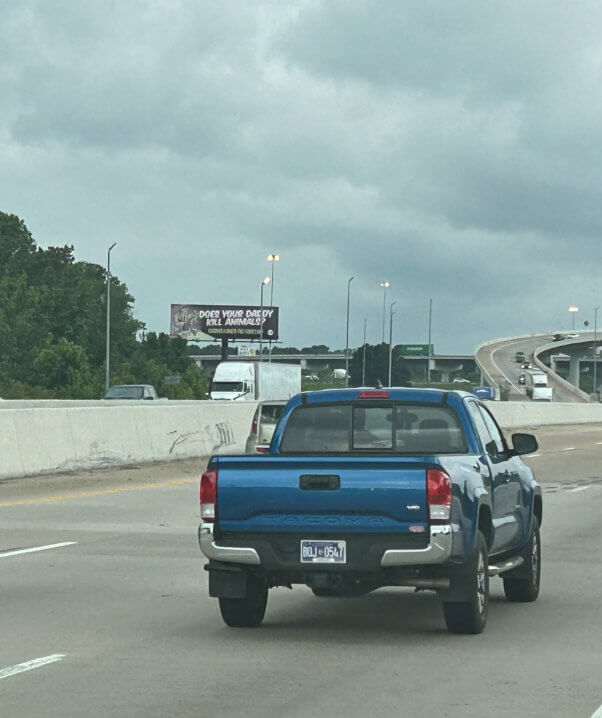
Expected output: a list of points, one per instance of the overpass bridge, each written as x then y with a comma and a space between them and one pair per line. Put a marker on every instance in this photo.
564, 361
447, 364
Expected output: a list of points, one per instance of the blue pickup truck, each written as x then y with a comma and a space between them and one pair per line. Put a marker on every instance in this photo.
364, 488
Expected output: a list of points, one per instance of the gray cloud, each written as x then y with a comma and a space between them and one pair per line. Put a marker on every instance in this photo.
450, 147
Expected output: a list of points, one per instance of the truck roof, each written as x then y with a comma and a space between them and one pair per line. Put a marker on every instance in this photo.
329, 396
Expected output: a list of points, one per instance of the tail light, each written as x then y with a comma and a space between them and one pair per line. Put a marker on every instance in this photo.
438, 496
255, 421
262, 449
208, 495
373, 395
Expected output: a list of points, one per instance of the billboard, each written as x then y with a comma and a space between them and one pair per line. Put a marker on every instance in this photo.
204, 322
417, 350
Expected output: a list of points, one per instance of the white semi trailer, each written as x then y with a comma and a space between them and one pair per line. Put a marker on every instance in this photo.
255, 381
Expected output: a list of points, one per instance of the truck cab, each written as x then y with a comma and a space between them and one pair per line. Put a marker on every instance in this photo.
233, 381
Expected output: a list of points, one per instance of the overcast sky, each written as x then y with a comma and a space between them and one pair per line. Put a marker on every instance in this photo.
453, 148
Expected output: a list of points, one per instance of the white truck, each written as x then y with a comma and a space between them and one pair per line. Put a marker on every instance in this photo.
536, 384
255, 381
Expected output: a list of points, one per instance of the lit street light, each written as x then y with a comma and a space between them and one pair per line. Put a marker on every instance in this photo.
347, 335
108, 336
573, 310
391, 314
264, 282
384, 285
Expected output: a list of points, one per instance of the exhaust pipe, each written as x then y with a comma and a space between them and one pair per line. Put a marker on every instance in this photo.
432, 583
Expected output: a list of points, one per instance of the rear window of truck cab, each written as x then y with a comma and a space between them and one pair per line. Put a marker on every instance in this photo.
374, 428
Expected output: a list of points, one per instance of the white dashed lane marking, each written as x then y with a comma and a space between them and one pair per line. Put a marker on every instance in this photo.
579, 488
30, 665
18, 552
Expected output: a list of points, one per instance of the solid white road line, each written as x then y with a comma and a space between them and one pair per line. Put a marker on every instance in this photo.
504, 346
598, 713
36, 548
534, 456
598, 443
579, 488
30, 665
569, 448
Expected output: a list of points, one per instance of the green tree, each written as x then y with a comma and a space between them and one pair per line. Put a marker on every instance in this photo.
377, 366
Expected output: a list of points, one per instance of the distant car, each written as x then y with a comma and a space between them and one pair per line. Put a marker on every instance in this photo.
311, 377
571, 336
131, 391
522, 378
485, 392
520, 357
264, 422
339, 373
526, 365
558, 337
459, 380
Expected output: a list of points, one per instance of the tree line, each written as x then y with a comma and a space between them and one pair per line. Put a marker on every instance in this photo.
52, 328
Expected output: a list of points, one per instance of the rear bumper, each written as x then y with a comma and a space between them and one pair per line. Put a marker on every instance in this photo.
438, 550
230, 554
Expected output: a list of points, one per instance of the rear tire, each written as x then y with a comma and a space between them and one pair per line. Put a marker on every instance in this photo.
471, 616
526, 590
247, 612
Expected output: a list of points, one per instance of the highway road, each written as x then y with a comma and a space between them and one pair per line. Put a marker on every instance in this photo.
116, 621
499, 360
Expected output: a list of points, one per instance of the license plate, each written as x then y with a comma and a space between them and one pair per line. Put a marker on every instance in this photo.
323, 551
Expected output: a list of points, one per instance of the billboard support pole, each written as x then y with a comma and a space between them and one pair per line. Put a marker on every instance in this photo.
224, 349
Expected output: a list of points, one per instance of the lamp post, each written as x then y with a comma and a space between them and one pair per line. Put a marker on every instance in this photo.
347, 334
385, 285
391, 314
264, 282
572, 311
108, 334
428, 365
272, 258
596, 352
364, 354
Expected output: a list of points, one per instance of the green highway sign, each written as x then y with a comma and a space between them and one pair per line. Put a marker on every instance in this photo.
417, 350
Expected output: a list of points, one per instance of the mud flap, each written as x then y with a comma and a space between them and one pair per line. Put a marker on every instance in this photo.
226, 581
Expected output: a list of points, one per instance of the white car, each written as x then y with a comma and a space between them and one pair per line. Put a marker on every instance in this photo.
459, 380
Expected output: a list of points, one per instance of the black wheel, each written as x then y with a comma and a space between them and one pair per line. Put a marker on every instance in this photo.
246, 612
471, 616
526, 590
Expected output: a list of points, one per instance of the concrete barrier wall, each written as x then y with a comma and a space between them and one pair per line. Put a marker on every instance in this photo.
54, 439
515, 414
62, 438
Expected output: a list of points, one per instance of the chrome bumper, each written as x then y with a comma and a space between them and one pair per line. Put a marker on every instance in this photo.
438, 550
233, 554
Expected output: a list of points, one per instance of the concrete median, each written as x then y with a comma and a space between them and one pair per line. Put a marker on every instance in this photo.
57, 439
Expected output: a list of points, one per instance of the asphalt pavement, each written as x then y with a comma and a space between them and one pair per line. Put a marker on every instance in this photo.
115, 619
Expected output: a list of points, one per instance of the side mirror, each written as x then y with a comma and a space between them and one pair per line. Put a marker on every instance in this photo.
524, 444
491, 449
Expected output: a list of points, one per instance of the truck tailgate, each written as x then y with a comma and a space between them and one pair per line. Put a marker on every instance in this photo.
351, 495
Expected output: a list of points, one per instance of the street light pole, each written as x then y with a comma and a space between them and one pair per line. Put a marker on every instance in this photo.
272, 258
384, 285
108, 334
428, 365
347, 334
573, 310
364, 355
391, 314
596, 352
265, 281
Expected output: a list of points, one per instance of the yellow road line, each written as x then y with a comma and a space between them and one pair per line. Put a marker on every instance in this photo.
99, 492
